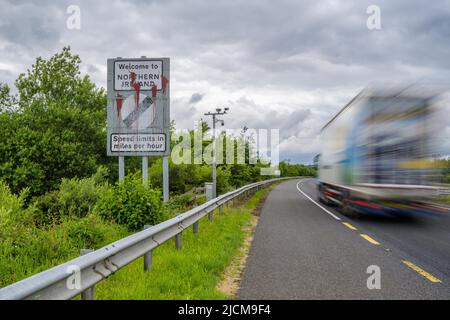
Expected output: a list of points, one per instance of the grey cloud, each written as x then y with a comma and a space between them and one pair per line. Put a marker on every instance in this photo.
31, 24
259, 116
5, 73
196, 97
290, 47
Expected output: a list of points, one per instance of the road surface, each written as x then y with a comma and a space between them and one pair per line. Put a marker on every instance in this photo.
305, 250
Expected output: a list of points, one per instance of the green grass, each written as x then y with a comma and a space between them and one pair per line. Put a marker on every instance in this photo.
194, 271
39, 249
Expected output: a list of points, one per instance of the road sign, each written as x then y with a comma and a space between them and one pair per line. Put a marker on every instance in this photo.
138, 107
148, 72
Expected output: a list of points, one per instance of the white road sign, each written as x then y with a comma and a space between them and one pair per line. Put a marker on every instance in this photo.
148, 73
138, 107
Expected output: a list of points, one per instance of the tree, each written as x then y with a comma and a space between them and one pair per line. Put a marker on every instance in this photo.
290, 170
57, 130
7, 101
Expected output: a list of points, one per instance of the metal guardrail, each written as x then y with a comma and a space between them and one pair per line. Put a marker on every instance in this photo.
79, 276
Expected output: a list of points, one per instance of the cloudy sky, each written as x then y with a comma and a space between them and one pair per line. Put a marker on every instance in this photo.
289, 65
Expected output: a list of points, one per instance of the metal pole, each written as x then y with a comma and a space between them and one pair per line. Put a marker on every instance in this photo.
148, 258
87, 294
179, 241
195, 227
214, 120
214, 158
121, 168
166, 178
148, 261
145, 170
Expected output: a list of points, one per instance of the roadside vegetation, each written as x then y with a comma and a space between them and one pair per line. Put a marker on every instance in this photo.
195, 271
58, 189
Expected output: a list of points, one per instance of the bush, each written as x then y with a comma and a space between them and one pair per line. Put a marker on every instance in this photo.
40, 249
10, 205
223, 178
92, 232
75, 198
131, 203
180, 203
48, 209
14, 218
25, 249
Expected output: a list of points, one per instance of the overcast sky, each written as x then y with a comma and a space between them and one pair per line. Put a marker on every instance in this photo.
289, 65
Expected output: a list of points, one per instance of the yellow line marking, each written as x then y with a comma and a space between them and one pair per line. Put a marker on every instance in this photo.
348, 225
421, 272
371, 240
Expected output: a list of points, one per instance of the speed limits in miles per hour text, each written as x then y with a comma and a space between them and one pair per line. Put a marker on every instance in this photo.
143, 142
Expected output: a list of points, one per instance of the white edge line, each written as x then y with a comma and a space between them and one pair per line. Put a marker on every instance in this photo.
321, 207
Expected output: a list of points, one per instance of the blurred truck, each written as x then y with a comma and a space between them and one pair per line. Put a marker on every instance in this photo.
376, 155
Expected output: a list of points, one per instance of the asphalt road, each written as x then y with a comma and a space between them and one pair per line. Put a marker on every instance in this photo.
305, 250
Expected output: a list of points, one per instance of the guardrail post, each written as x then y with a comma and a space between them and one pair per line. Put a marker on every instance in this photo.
87, 294
179, 241
221, 209
210, 216
195, 227
148, 257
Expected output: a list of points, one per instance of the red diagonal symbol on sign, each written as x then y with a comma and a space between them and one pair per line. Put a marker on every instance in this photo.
119, 101
136, 86
164, 84
154, 90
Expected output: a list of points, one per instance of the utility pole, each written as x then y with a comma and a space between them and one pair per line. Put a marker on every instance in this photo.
215, 120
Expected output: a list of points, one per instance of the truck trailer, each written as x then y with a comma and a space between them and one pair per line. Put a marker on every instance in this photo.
377, 153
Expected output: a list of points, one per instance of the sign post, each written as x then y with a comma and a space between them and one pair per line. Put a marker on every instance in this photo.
145, 170
139, 111
166, 178
121, 168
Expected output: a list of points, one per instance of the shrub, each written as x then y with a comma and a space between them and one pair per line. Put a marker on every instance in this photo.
92, 232
199, 200
181, 202
14, 218
40, 249
10, 205
131, 203
48, 209
75, 198
223, 178
26, 249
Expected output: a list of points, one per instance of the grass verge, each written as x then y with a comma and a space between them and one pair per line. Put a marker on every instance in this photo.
208, 258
